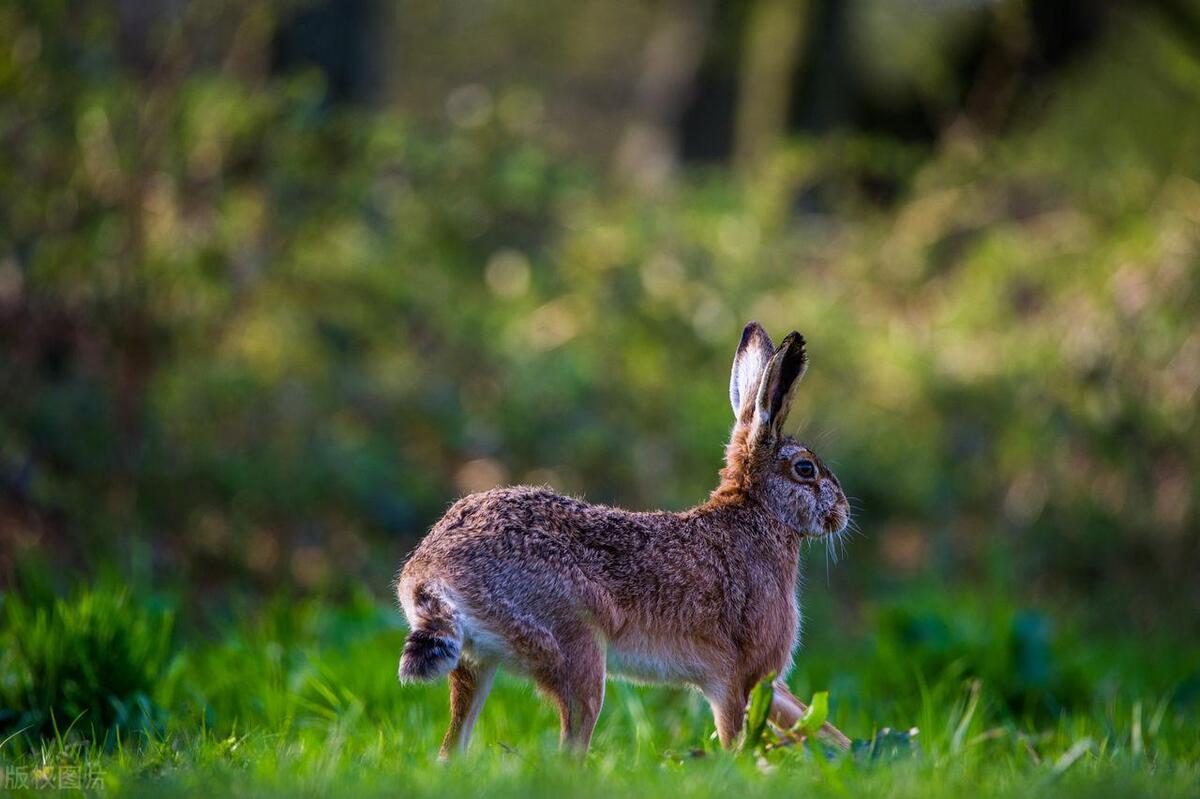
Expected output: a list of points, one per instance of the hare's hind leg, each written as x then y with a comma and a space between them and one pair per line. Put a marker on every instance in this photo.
469, 687
577, 687
786, 710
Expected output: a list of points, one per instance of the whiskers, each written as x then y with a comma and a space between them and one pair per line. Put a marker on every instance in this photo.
837, 544
822, 436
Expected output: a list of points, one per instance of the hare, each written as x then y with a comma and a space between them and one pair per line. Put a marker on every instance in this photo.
562, 591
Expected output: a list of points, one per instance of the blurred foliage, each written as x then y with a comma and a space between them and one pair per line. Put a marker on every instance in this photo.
250, 334
1015, 653
89, 662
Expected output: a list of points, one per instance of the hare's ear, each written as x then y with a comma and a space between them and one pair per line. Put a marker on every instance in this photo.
778, 385
749, 363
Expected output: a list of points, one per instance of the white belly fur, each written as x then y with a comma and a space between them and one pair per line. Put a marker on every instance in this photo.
631, 658
651, 667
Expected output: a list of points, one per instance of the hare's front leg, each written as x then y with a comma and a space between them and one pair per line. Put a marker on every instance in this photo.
576, 684
469, 687
728, 701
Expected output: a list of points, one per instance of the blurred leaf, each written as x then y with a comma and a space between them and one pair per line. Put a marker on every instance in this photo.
888, 744
815, 716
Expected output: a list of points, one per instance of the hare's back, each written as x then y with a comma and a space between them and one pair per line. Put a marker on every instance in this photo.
511, 555
494, 533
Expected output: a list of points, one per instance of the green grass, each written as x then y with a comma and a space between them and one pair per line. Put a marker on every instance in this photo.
302, 698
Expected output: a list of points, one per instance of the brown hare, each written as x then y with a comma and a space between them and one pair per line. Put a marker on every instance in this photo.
561, 590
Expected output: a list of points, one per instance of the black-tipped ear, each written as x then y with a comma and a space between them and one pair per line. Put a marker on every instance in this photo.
783, 374
749, 363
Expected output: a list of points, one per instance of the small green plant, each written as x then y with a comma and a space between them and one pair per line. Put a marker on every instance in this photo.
805, 728
87, 663
756, 716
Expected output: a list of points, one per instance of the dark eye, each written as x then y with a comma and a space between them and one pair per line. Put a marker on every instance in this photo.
805, 469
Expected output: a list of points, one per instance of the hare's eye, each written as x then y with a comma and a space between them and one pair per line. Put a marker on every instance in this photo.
805, 469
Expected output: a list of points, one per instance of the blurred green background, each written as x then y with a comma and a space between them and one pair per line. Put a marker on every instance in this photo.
278, 281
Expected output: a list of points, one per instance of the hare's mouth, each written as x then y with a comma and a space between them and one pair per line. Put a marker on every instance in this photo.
836, 521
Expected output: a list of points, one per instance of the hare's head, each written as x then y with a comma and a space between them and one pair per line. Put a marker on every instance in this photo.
761, 462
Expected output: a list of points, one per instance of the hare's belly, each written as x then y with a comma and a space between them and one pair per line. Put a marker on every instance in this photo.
640, 662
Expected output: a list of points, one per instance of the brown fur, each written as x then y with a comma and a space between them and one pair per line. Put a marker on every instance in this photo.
546, 585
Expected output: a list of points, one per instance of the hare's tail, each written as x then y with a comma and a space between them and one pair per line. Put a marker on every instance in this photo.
434, 643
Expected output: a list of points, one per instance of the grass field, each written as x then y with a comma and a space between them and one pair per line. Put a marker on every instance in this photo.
302, 698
